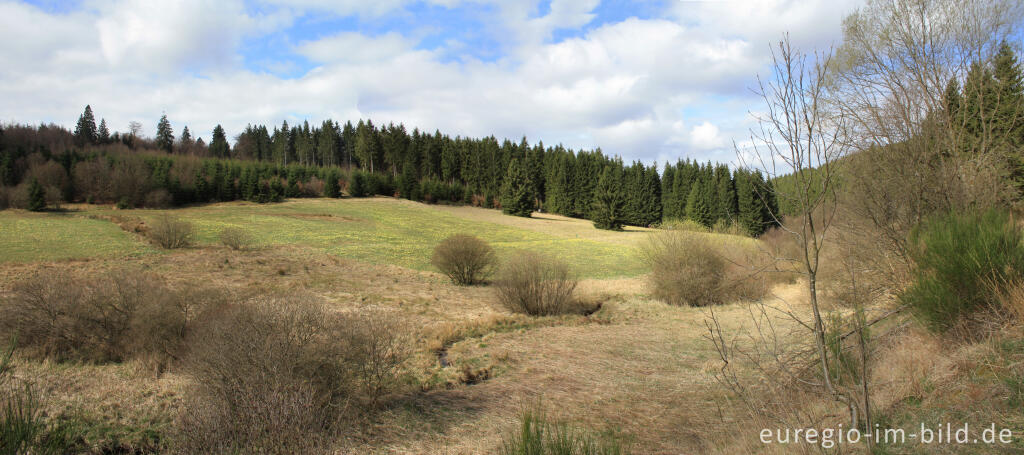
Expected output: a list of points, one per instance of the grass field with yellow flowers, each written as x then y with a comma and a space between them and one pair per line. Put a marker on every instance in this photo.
378, 231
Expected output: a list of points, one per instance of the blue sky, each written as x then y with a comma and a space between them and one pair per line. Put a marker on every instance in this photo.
647, 79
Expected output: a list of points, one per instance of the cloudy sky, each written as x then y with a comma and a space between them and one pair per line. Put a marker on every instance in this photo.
644, 79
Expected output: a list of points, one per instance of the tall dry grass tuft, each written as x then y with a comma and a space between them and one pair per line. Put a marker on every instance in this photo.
536, 284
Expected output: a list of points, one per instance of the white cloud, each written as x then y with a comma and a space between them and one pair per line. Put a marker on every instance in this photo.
706, 136
354, 47
651, 89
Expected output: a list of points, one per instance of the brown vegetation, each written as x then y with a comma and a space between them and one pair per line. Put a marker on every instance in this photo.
535, 284
171, 233
465, 259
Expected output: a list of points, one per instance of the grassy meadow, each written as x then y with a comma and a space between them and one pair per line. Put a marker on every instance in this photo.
635, 370
377, 231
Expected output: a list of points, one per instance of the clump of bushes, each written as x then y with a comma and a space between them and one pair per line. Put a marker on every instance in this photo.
686, 269
171, 233
465, 259
125, 314
536, 284
962, 263
279, 374
539, 436
237, 239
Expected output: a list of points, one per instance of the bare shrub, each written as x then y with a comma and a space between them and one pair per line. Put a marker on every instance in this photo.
535, 284
237, 239
126, 313
170, 233
278, 374
465, 259
376, 351
685, 270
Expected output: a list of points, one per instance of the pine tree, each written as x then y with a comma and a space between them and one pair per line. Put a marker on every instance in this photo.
164, 135
36, 196
668, 201
186, 138
725, 192
85, 129
516, 197
331, 187
608, 203
219, 147
104, 133
698, 206
357, 187
749, 205
408, 182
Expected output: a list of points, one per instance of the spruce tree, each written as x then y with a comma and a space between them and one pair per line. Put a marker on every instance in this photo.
516, 197
219, 147
357, 187
698, 204
103, 136
85, 129
725, 191
36, 196
331, 187
164, 135
608, 203
408, 182
186, 140
749, 205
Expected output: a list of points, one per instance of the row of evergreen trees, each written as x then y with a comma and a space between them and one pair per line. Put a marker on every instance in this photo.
362, 159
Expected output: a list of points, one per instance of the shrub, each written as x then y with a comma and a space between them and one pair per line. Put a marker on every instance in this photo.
538, 436
957, 257
465, 259
107, 318
685, 270
537, 285
277, 374
237, 239
171, 233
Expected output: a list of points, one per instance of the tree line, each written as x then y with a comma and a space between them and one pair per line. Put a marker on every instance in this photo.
91, 164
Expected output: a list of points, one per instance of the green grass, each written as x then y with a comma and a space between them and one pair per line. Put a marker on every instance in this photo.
379, 231
30, 237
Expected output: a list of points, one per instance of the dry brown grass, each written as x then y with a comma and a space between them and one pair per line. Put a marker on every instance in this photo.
636, 367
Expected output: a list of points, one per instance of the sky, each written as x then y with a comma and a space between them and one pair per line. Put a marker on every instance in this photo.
649, 80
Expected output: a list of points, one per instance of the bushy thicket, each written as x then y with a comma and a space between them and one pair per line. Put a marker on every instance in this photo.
962, 261
237, 239
465, 259
123, 314
535, 284
686, 269
281, 374
171, 233
274, 374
